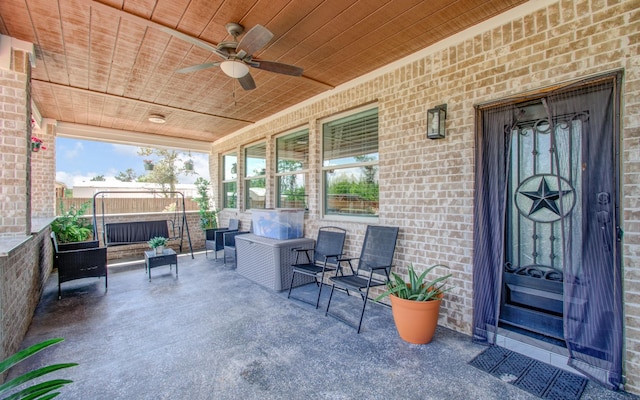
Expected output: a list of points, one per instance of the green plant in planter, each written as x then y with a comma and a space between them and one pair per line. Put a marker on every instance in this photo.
416, 288
70, 226
208, 217
157, 241
43, 390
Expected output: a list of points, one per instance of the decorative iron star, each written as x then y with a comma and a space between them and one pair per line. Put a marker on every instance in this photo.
545, 198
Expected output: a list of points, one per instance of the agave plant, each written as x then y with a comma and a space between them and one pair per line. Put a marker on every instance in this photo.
416, 288
41, 391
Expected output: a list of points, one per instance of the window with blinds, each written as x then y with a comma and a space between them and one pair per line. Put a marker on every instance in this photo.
292, 159
350, 164
255, 171
229, 180
350, 139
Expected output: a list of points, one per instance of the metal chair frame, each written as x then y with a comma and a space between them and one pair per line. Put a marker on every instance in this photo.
375, 259
328, 248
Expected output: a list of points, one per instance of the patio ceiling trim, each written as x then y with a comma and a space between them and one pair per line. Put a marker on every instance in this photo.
88, 132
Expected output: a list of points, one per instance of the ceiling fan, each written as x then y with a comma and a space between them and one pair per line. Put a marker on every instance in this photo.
238, 55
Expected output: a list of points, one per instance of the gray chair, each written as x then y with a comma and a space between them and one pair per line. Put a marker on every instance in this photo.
214, 238
327, 251
374, 267
229, 241
79, 260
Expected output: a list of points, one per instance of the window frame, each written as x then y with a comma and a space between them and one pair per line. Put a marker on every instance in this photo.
366, 218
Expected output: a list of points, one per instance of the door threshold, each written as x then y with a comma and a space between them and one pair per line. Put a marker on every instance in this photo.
542, 351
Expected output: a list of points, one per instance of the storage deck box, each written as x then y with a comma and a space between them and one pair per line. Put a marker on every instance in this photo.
281, 223
268, 261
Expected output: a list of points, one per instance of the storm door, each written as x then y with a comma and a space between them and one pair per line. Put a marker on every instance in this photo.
547, 238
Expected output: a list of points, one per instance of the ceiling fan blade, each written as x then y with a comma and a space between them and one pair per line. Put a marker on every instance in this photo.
195, 41
255, 39
277, 67
198, 67
247, 82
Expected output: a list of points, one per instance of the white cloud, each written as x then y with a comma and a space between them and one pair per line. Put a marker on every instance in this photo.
125, 149
70, 179
73, 153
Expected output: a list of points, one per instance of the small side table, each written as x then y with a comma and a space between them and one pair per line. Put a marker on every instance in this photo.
168, 257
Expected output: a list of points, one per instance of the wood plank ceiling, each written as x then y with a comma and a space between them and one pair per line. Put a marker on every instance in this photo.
111, 63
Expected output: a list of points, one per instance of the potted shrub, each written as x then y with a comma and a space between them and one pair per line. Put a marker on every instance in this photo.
415, 304
71, 226
158, 243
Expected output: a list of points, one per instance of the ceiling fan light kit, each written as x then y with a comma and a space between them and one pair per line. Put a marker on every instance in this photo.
234, 69
238, 55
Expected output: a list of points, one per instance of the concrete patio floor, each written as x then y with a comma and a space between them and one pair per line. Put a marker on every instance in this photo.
212, 334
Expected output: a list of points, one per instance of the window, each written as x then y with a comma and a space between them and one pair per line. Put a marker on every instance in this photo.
230, 181
350, 164
292, 158
255, 158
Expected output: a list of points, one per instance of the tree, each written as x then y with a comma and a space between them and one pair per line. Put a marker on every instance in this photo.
98, 178
127, 176
165, 171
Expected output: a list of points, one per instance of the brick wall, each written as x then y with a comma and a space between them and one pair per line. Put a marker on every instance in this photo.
23, 274
43, 167
426, 187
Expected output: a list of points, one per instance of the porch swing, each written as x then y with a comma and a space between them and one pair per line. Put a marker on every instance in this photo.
127, 233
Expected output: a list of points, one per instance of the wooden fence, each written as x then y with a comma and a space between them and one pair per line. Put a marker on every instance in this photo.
128, 205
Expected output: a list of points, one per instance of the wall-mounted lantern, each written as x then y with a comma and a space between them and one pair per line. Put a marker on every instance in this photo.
436, 122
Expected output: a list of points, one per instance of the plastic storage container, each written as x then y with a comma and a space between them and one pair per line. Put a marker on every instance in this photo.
281, 223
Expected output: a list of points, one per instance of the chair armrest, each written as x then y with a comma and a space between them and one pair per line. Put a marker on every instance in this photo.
89, 244
336, 256
230, 237
299, 249
375, 267
220, 234
210, 234
82, 251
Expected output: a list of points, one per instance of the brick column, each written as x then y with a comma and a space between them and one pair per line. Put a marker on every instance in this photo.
15, 133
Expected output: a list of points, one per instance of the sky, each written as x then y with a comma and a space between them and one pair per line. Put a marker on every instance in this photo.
81, 160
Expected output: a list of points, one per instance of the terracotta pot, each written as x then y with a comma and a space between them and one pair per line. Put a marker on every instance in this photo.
416, 321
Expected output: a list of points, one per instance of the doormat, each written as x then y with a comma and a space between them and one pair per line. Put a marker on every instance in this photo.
537, 378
